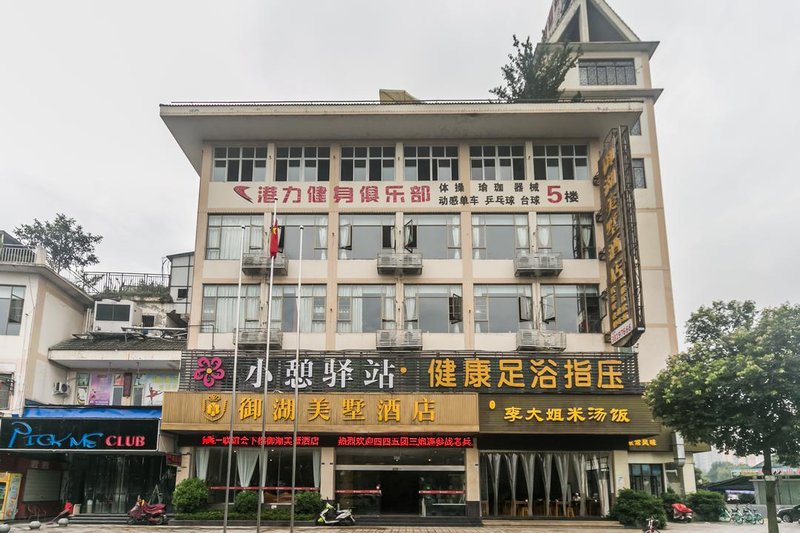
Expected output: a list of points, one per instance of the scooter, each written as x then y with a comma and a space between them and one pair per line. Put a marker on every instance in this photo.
145, 513
681, 513
331, 515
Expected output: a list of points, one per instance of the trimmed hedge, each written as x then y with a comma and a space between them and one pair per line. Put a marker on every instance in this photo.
634, 507
706, 504
266, 514
190, 495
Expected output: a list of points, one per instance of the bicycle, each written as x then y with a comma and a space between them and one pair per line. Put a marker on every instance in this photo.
753, 517
725, 515
651, 526
737, 517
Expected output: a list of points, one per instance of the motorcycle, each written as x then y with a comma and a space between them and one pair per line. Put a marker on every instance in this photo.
331, 515
681, 513
145, 513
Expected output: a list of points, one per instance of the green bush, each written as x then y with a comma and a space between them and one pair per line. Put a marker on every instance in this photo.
308, 503
634, 507
282, 513
706, 504
190, 495
747, 498
245, 502
669, 497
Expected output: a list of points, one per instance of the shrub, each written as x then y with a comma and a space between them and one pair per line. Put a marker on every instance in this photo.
308, 503
747, 498
706, 504
634, 507
190, 495
669, 497
245, 502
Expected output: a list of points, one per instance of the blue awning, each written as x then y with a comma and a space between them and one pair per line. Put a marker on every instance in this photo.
92, 412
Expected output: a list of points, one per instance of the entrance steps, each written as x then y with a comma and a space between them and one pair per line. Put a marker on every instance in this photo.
565, 524
99, 518
413, 520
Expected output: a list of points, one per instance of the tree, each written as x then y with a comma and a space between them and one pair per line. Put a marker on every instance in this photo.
536, 75
720, 471
736, 385
67, 245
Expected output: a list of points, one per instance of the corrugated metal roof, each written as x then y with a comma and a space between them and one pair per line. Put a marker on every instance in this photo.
121, 343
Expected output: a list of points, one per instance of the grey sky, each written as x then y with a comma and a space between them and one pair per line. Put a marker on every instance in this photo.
80, 84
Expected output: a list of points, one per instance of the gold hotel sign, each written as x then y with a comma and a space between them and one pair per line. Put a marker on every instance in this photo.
324, 412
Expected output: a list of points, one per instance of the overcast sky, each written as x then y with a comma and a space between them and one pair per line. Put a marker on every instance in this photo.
80, 133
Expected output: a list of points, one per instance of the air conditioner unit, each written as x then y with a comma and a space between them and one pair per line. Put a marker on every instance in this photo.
396, 264
111, 316
541, 340
399, 339
257, 338
60, 388
257, 264
537, 264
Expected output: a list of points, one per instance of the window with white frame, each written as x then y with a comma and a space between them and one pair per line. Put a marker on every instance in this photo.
499, 236
367, 163
364, 236
497, 162
365, 308
434, 236
240, 163
639, 178
315, 236
312, 308
219, 308
502, 308
6, 388
560, 162
433, 308
571, 308
430, 163
12, 299
224, 235
303, 163
607, 72
569, 234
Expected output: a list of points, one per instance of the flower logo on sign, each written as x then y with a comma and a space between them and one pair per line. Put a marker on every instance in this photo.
209, 371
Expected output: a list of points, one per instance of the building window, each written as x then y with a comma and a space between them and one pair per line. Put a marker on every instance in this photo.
434, 236
363, 236
433, 308
303, 163
569, 234
502, 308
499, 236
315, 236
12, 298
223, 239
235, 163
571, 308
607, 72
639, 179
368, 163
431, 163
647, 478
219, 308
312, 308
6, 388
561, 162
365, 308
492, 163
636, 129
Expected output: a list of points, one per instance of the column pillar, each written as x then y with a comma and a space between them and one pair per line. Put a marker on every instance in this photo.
327, 474
184, 471
473, 480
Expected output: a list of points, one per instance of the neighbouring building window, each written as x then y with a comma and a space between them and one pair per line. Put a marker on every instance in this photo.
224, 235
434, 236
433, 308
312, 308
237, 163
492, 163
367, 163
639, 178
502, 308
365, 308
6, 388
607, 72
499, 236
560, 162
219, 308
571, 308
430, 163
315, 236
636, 129
12, 298
363, 236
647, 478
570, 234
303, 163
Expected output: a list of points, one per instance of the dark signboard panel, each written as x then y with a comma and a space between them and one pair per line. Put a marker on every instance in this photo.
78, 434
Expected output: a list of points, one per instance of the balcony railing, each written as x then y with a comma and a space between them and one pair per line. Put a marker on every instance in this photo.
11, 253
122, 283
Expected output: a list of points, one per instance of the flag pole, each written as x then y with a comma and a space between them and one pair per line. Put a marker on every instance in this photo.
262, 459
233, 391
296, 382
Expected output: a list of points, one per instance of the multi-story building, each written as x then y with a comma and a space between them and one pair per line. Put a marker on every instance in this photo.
470, 292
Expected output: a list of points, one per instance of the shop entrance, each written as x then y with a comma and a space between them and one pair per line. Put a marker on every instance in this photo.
399, 492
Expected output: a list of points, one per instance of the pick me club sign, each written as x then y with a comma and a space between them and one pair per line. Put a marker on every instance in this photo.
58, 434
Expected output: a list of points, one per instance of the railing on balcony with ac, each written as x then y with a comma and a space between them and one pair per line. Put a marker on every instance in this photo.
539, 263
258, 337
398, 339
257, 263
541, 340
399, 263
120, 284
12, 253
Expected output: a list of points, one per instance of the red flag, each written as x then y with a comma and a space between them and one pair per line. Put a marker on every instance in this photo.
273, 240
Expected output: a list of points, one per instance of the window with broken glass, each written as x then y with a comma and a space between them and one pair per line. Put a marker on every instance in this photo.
303, 163
434, 236
433, 308
365, 308
607, 72
502, 308
569, 234
430, 163
364, 236
639, 178
560, 162
312, 308
571, 308
497, 162
240, 163
499, 236
367, 163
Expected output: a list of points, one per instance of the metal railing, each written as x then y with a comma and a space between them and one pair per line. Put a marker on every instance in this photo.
11, 253
141, 284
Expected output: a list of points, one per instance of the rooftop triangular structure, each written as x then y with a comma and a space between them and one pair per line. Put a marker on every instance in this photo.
585, 21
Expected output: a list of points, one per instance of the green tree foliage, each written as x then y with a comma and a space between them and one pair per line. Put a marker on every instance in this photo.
708, 505
720, 471
68, 245
634, 507
736, 386
190, 495
535, 75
